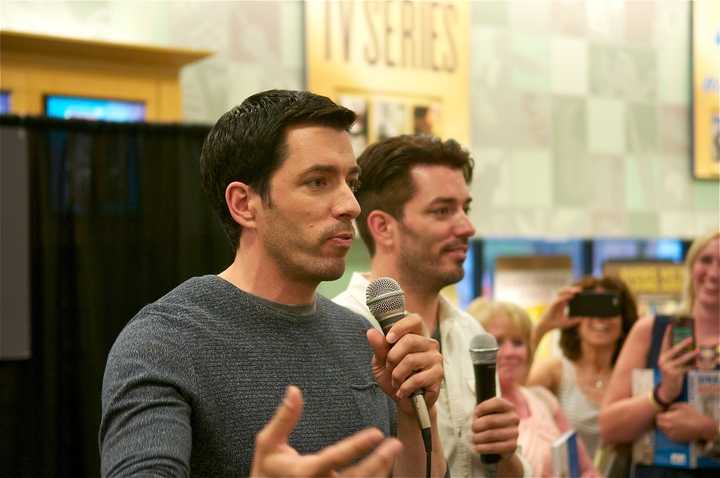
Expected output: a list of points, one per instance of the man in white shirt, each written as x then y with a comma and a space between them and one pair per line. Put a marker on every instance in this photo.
414, 201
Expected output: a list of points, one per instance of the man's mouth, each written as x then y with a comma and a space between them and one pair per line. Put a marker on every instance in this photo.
342, 239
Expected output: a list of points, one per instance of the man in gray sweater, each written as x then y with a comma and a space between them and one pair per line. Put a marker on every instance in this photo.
250, 372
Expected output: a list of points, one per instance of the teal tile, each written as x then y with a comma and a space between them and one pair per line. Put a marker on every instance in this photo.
488, 12
706, 194
606, 126
530, 62
642, 128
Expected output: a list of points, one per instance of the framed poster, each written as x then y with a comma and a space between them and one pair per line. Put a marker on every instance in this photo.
706, 88
402, 66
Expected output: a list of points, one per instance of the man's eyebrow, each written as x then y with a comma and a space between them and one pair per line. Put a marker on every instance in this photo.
448, 200
327, 168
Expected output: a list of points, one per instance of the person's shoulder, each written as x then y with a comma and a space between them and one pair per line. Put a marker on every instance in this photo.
642, 329
172, 317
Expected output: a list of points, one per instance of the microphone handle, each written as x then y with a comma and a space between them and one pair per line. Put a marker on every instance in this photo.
485, 390
417, 398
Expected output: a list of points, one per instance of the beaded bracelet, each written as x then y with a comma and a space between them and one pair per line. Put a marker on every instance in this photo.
656, 398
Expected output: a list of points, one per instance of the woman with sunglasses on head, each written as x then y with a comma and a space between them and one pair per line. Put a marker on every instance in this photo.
624, 418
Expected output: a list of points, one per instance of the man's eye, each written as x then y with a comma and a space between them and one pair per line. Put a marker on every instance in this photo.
441, 211
316, 182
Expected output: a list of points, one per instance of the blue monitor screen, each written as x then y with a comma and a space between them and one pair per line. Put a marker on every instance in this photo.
73, 107
654, 249
492, 248
4, 102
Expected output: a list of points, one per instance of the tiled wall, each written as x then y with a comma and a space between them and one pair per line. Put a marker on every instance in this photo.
581, 120
580, 110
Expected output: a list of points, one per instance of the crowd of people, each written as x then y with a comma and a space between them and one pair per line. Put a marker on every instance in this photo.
250, 372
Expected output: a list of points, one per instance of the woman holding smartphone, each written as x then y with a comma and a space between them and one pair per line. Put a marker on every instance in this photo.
590, 344
624, 417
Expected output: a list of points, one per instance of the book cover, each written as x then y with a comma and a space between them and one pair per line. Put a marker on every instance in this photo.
701, 390
565, 456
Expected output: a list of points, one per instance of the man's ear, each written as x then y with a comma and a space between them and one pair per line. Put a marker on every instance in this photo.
242, 200
382, 227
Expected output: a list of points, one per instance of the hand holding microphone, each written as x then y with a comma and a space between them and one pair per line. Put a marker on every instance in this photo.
407, 363
495, 422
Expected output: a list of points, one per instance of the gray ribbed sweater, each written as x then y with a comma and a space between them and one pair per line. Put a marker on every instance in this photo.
194, 376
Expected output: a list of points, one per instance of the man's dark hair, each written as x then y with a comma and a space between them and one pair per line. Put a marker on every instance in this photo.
570, 342
385, 182
248, 143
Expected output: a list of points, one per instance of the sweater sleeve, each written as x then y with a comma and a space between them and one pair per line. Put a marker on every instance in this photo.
146, 411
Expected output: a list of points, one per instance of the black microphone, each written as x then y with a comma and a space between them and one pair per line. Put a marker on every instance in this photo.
386, 301
483, 352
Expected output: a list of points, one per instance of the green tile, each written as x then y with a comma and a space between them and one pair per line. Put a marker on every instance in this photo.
530, 62
674, 73
531, 176
494, 13
608, 186
643, 224
642, 128
639, 183
603, 61
706, 194
606, 126
569, 66
623, 72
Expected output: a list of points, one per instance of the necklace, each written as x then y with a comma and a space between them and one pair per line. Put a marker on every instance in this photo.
599, 383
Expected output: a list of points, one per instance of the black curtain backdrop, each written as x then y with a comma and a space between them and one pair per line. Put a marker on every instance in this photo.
118, 219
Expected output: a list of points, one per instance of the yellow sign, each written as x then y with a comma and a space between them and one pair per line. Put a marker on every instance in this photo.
649, 278
402, 66
706, 89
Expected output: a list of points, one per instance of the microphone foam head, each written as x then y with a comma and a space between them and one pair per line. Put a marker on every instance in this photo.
483, 342
384, 296
483, 349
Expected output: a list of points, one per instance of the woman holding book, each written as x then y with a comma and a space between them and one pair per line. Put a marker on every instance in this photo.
542, 421
590, 346
624, 418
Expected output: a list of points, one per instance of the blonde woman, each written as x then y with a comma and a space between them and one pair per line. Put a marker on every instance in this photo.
624, 417
542, 420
